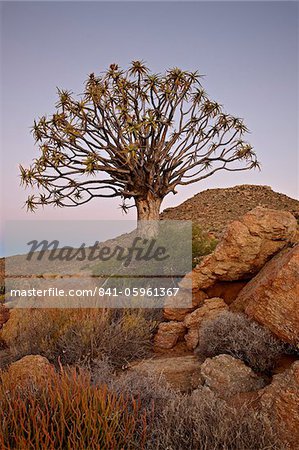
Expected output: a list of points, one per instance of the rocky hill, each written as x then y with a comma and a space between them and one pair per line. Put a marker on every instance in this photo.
214, 208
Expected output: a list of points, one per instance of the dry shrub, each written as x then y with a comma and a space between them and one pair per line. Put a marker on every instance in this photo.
203, 421
237, 335
81, 336
152, 390
67, 412
198, 421
132, 411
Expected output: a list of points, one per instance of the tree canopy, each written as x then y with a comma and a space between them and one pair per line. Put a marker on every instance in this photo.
136, 135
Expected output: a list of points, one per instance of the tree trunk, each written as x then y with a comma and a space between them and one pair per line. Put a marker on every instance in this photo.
148, 210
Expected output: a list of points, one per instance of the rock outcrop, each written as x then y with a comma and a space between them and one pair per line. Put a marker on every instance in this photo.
281, 400
223, 278
182, 373
272, 297
209, 310
228, 376
168, 334
30, 369
228, 290
247, 244
172, 312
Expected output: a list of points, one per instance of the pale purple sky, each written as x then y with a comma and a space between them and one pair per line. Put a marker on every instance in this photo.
247, 50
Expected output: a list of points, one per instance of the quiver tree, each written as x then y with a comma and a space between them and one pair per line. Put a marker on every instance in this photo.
135, 135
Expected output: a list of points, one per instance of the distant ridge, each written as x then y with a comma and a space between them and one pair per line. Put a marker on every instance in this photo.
212, 209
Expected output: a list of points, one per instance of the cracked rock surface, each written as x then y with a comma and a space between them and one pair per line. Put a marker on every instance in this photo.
246, 245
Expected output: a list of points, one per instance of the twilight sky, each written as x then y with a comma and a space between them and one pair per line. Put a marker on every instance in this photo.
247, 50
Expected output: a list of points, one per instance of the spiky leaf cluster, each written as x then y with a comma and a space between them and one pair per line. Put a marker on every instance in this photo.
132, 132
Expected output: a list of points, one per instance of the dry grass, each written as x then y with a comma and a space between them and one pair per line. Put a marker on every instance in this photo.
152, 390
237, 335
203, 421
81, 336
197, 421
98, 409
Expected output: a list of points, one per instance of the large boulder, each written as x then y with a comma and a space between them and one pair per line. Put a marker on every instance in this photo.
209, 310
281, 400
168, 334
181, 372
272, 297
30, 369
246, 245
228, 376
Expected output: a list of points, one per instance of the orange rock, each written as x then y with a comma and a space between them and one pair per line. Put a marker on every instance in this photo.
228, 290
180, 349
296, 238
173, 313
30, 369
209, 310
281, 400
246, 245
272, 297
169, 333
181, 372
228, 376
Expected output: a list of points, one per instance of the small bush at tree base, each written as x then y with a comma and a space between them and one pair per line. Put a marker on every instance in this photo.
237, 335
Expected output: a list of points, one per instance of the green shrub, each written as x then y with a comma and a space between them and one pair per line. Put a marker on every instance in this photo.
237, 335
202, 244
